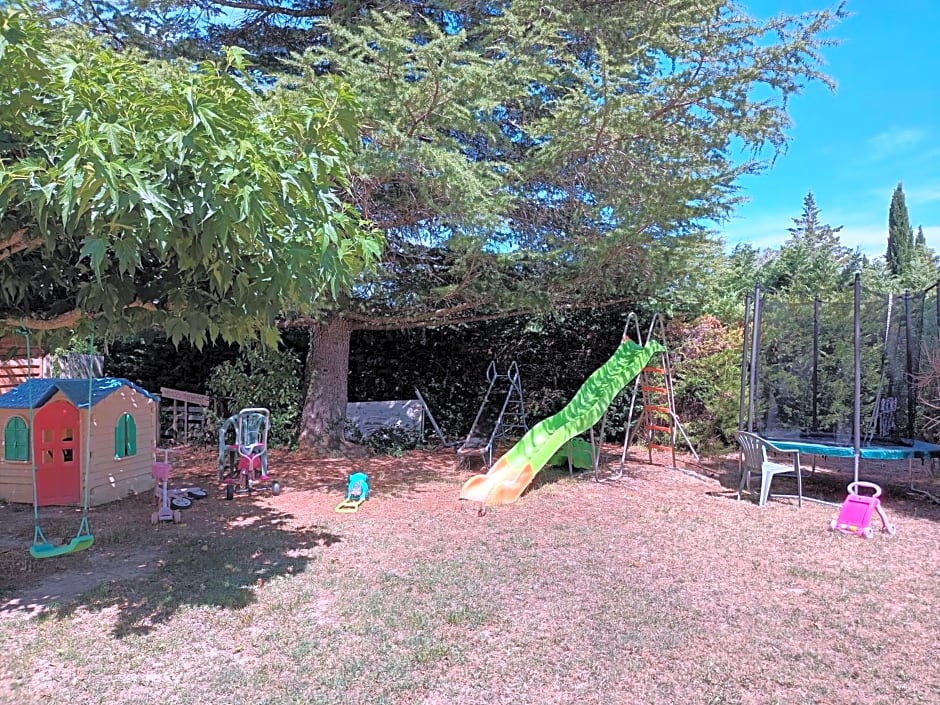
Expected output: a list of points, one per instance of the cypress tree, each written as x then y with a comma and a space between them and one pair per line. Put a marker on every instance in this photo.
900, 252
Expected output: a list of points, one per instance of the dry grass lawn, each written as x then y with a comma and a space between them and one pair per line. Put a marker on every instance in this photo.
658, 588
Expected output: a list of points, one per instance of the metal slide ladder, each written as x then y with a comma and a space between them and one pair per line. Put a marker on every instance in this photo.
501, 414
657, 422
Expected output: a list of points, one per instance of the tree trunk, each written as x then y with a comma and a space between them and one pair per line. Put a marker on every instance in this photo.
327, 374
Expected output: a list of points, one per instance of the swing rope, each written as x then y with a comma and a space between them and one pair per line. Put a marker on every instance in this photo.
83, 539
83, 529
39, 538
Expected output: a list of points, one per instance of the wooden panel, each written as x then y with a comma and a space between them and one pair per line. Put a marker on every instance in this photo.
15, 346
14, 367
17, 371
188, 397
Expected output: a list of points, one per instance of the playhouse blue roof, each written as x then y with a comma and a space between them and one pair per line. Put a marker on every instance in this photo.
42, 390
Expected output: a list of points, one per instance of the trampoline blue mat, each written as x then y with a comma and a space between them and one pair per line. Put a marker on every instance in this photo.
873, 450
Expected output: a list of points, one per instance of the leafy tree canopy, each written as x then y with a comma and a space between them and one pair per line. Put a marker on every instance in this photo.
518, 156
135, 192
812, 260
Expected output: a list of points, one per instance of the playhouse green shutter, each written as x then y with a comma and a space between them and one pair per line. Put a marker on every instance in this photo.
125, 437
119, 436
131, 434
16, 440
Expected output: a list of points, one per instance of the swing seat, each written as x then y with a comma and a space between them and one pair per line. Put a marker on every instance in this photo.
48, 550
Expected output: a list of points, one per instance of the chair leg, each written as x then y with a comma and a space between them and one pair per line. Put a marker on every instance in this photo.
745, 481
764, 489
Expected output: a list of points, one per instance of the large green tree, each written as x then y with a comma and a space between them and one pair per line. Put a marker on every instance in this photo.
812, 260
136, 193
520, 156
900, 252
908, 258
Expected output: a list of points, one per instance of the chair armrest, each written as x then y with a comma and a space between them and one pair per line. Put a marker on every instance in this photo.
789, 451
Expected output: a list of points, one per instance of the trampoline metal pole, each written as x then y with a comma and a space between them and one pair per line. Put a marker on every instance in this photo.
937, 299
815, 399
857, 411
909, 365
755, 348
744, 365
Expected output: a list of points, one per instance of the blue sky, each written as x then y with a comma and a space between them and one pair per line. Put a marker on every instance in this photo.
851, 148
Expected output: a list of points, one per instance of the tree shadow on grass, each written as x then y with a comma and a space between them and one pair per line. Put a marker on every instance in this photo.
413, 473
147, 574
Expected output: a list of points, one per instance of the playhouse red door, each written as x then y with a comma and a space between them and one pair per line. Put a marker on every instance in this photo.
58, 472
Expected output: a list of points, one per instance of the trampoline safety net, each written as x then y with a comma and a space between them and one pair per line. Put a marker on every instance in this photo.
798, 378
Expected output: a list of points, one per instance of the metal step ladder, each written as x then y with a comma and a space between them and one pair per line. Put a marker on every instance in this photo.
501, 415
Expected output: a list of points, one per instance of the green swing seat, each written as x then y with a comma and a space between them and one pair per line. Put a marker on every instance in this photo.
41, 548
48, 550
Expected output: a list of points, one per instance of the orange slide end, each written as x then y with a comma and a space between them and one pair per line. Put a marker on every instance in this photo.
503, 484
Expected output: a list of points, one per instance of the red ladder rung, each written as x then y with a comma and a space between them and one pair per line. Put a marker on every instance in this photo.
657, 370
658, 390
658, 409
654, 427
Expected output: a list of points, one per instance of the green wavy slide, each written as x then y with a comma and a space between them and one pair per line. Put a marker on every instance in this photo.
512, 473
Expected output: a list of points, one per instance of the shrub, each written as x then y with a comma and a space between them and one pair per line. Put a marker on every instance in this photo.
707, 379
262, 377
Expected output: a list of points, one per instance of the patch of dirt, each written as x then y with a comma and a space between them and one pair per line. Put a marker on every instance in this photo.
127, 546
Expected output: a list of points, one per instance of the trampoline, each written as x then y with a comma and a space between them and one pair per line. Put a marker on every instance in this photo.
873, 450
838, 377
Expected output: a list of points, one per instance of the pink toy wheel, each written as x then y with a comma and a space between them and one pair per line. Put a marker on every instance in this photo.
868, 533
180, 503
890, 529
833, 524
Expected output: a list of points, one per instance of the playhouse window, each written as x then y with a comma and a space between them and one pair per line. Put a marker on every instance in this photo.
125, 437
16, 440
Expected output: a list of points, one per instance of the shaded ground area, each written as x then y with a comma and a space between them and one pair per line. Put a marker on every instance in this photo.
660, 587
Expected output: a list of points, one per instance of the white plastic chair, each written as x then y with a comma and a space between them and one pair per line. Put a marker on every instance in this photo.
754, 462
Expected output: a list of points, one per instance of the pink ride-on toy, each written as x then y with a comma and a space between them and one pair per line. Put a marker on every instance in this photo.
170, 501
855, 516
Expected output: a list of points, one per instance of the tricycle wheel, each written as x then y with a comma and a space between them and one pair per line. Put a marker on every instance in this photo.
181, 503
229, 492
